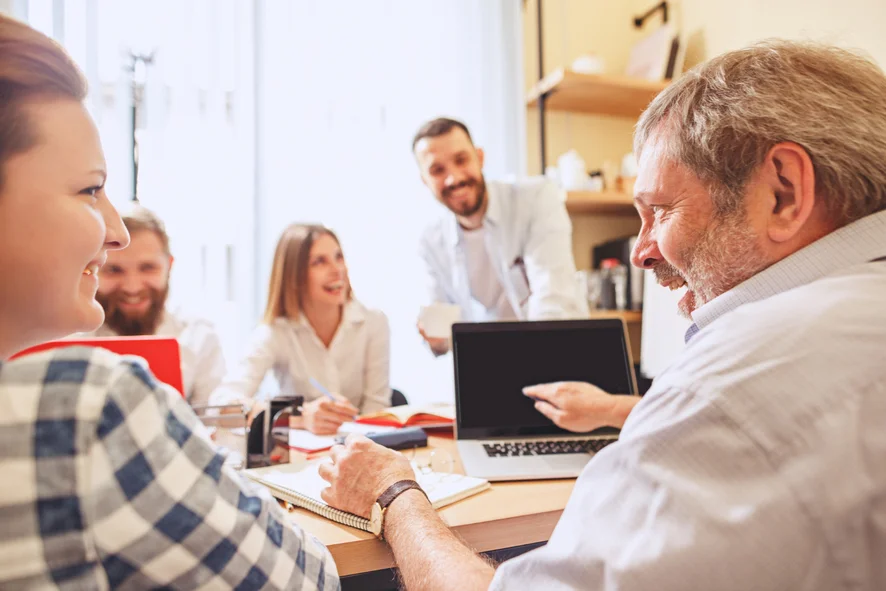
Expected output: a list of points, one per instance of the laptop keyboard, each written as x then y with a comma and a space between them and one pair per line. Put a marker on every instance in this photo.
545, 448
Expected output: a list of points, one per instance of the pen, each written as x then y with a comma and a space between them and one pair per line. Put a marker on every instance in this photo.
322, 389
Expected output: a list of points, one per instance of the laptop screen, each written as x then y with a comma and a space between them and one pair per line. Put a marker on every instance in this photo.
495, 361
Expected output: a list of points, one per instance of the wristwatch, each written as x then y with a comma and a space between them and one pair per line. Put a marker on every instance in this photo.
377, 513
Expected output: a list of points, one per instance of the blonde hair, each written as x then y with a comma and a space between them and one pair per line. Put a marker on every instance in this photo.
140, 219
289, 273
33, 67
721, 119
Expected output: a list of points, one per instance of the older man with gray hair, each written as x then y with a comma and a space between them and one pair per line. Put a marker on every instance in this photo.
758, 460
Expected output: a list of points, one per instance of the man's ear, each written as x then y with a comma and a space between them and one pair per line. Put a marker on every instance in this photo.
790, 179
171, 260
481, 155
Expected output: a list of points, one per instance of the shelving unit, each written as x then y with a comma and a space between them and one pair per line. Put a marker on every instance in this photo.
600, 202
564, 90
629, 316
618, 96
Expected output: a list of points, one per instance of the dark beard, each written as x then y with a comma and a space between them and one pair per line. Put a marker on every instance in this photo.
481, 196
128, 326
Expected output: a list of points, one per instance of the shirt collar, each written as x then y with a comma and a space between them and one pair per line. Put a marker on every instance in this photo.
353, 313
856, 243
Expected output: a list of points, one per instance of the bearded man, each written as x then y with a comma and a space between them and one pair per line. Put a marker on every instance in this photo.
133, 290
503, 250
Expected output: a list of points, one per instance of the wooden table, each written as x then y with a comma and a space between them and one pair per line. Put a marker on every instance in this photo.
507, 515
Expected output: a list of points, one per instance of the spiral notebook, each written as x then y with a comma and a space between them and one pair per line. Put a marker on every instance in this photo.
300, 484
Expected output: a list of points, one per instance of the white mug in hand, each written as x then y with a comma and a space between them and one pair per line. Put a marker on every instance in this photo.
437, 319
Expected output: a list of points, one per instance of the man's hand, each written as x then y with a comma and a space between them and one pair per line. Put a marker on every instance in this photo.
360, 471
580, 407
323, 416
439, 345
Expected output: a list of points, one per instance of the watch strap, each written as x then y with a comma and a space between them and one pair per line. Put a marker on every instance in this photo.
397, 489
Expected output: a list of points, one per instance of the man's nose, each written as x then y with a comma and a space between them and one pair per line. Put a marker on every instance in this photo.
454, 178
645, 253
131, 284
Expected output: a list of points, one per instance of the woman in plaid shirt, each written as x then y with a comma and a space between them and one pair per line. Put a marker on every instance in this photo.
103, 483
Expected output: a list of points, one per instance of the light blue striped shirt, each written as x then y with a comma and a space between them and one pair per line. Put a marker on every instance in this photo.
758, 459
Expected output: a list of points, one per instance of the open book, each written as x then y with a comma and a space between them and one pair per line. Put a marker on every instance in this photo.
428, 416
300, 484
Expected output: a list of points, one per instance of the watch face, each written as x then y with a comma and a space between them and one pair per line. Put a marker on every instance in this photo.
375, 519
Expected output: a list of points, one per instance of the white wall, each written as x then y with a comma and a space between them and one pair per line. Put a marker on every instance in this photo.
716, 26
16, 8
340, 95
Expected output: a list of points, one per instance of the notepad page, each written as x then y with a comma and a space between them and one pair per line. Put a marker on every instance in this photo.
305, 440
442, 489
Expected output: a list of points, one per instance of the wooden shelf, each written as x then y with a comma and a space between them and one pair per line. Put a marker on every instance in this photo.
629, 316
601, 94
600, 202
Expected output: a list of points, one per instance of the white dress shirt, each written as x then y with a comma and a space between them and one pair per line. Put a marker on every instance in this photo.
486, 287
202, 360
758, 459
356, 364
528, 238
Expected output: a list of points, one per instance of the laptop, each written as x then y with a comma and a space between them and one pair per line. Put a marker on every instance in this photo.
500, 435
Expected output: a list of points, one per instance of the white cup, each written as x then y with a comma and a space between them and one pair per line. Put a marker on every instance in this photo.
437, 319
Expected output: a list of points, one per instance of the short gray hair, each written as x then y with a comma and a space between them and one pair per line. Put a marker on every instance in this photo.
721, 119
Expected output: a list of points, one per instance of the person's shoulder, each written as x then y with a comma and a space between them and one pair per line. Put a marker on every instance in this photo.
525, 198
832, 311
184, 318
79, 378
525, 188
377, 317
785, 373
71, 364
434, 232
270, 332
361, 311
826, 334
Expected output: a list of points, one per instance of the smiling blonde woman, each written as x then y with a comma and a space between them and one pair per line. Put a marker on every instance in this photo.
315, 336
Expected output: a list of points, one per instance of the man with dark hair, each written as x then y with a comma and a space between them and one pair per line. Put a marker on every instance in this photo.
133, 288
437, 127
506, 253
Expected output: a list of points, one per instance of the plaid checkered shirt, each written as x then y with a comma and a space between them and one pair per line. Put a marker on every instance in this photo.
104, 484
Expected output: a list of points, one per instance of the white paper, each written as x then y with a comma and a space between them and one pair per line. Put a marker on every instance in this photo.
304, 440
437, 319
307, 481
